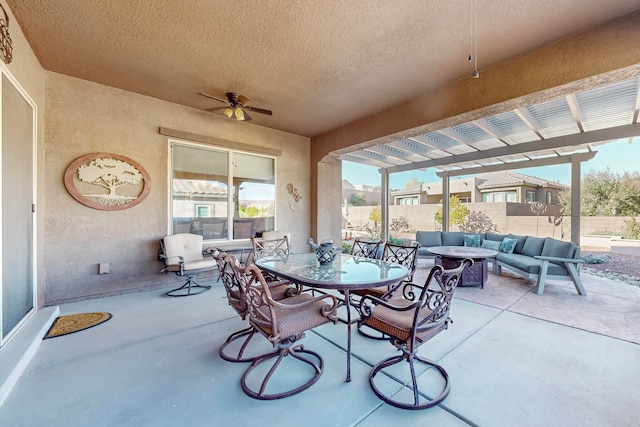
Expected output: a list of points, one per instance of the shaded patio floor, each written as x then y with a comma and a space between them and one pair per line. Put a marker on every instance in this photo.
514, 358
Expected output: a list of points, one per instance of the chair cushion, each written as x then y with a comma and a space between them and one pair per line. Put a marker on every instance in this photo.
529, 264
188, 246
399, 323
495, 237
452, 238
508, 245
295, 320
472, 240
428, 239
556, 248
203, 264
490, 244
521, 240
532, 246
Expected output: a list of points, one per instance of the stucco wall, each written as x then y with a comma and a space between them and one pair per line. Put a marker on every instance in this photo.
82, 118
26, 69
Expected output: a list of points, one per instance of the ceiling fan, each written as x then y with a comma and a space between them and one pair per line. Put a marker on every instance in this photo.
236, 107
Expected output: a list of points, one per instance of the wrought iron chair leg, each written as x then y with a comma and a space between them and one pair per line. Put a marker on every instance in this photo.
410, 358
297, 352
188, 285
239, 357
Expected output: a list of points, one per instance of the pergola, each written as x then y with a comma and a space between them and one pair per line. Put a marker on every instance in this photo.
562, 130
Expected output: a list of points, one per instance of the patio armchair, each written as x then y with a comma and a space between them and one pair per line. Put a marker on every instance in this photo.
182, 254
236, 297
409, 324
283, 324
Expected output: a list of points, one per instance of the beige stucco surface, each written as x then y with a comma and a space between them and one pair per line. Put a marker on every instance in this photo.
84, 117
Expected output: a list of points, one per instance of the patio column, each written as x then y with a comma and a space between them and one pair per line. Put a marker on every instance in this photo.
384, 204
445, 202
575, 198
329, 200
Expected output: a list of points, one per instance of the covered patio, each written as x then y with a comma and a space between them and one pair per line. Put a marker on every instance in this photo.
93, 78
514, 358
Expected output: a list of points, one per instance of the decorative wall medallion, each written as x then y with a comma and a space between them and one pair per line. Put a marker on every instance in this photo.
6, 50
108, 182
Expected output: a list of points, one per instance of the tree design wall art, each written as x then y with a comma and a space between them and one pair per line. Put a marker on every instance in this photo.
107, 181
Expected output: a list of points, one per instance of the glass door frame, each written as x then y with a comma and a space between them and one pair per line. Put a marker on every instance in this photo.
4, 72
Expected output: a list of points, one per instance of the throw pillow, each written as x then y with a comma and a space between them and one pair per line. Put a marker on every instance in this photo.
472, 240
508, 245
490, 244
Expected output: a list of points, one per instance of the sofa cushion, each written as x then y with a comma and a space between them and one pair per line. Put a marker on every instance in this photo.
508, 245
452, 238
490, 244
530, 265
428, 239
556, 248
472, 240
495, 237
520, 244
532, 246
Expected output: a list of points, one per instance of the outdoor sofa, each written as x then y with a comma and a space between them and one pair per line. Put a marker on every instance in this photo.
535, 258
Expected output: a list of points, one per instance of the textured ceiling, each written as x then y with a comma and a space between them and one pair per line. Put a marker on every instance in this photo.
316, 64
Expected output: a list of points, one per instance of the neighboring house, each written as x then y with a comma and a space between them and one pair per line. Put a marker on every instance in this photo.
370, 193
505, 186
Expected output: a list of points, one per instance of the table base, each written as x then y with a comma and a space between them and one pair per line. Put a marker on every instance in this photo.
476, 275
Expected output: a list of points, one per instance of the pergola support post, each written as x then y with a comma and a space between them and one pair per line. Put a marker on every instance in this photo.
445, 202
575, 199
384, 205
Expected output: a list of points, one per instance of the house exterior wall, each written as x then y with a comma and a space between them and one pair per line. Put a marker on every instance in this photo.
84, 117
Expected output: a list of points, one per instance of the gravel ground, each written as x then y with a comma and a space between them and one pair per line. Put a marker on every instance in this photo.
624, 268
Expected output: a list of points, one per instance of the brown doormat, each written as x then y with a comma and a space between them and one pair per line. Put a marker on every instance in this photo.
65, 325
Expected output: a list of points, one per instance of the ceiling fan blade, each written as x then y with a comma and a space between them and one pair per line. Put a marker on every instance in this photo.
213, 97
258, 110
242, 99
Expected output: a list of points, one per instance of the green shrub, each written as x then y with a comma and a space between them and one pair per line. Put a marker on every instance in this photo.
633, 229
346, 248
596, 258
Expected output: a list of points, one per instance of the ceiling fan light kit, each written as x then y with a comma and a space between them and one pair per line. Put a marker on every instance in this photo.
236, 108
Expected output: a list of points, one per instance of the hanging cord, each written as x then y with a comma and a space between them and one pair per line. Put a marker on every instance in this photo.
473, 38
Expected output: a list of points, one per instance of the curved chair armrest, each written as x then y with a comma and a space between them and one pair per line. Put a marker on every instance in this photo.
557, 259
366, 309
334, 302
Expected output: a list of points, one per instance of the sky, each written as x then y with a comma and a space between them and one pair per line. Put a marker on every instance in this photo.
619, 156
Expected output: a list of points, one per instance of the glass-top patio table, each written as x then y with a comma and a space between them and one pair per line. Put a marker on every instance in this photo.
346, 273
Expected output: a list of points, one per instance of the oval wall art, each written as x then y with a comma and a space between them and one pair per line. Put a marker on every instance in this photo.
108, 182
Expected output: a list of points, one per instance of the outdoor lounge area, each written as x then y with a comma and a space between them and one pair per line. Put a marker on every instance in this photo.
514, 358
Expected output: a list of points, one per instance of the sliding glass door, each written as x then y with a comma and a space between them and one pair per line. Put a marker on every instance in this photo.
17, 270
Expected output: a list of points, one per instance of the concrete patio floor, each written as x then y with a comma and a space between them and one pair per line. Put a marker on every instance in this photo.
514, 358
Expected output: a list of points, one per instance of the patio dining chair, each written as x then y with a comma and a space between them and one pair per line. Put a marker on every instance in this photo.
283, 324
409, 323
366, 248
398, 254
262, 247
236, 297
